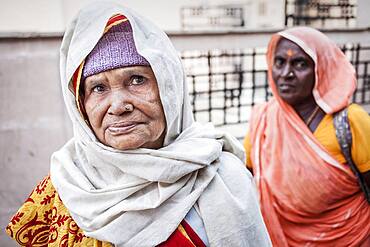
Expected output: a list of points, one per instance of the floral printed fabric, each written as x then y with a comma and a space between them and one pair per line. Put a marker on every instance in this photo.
43, 220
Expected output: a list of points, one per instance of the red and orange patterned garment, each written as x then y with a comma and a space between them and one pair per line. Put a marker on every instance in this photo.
43, 220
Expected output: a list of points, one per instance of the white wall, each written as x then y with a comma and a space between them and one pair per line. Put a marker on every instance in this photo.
272, 18
54, 15
363, 17
31, 16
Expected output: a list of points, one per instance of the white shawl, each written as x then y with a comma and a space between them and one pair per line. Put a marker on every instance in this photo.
139, 197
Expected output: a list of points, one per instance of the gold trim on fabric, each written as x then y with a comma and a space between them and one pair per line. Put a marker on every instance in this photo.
183, 232
106, 29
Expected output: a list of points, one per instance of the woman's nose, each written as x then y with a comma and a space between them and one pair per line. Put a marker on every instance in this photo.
287, 71
120, 103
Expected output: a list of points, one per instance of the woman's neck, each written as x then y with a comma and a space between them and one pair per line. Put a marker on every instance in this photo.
310, 113
305, 109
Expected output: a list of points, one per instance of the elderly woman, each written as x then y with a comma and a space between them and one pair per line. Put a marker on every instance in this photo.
309, 195
138, 171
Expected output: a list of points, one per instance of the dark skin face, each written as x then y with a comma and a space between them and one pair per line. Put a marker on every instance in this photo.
294, 74
124, 109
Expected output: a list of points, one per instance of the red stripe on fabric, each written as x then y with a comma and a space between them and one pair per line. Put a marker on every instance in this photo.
74, 80
177, 239
115, 18
192, 234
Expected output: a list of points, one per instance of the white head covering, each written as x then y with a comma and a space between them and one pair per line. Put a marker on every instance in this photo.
139, 197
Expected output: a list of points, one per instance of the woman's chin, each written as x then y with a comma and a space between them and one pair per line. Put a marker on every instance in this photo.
124, 143
126, 146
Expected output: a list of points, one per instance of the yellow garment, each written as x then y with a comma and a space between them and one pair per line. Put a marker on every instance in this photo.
43, 220
359, 121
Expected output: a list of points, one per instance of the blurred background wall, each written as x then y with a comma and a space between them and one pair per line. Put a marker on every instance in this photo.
221, 43
52, 16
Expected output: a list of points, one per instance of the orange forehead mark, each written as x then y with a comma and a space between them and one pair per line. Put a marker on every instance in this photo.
289, 52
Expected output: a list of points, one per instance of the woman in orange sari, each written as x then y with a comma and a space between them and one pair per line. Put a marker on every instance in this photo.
309, 196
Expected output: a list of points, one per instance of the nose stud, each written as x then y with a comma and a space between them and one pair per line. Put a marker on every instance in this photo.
129, 107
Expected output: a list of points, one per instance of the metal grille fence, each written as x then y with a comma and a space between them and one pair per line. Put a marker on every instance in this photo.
224, 85
225, 16
360, 58
319, 13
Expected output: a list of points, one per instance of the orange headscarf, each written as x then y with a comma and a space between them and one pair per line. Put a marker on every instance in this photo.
307, 197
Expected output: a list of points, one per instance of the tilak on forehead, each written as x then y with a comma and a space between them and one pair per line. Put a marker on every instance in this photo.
289, 52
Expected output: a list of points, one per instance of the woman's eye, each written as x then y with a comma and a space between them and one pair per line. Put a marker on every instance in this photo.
300, 64
98, 89
137, 80
278, 62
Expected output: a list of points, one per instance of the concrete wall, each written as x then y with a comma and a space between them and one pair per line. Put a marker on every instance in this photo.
363, 17
53, 16
33, 122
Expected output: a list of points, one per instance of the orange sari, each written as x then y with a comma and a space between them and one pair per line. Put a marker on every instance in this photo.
308, 198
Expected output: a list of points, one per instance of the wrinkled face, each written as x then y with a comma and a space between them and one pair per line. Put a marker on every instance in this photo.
293, 72
124, 108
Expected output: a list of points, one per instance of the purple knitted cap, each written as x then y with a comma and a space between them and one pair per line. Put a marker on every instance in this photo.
116, 49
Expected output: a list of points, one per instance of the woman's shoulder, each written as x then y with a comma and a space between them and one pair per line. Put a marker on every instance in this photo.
260, 110
359, 121
233, 168
44, 220
260, 107
358, 113
356, 109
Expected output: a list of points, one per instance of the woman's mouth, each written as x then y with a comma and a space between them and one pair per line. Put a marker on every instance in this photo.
285, 87
122, 128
